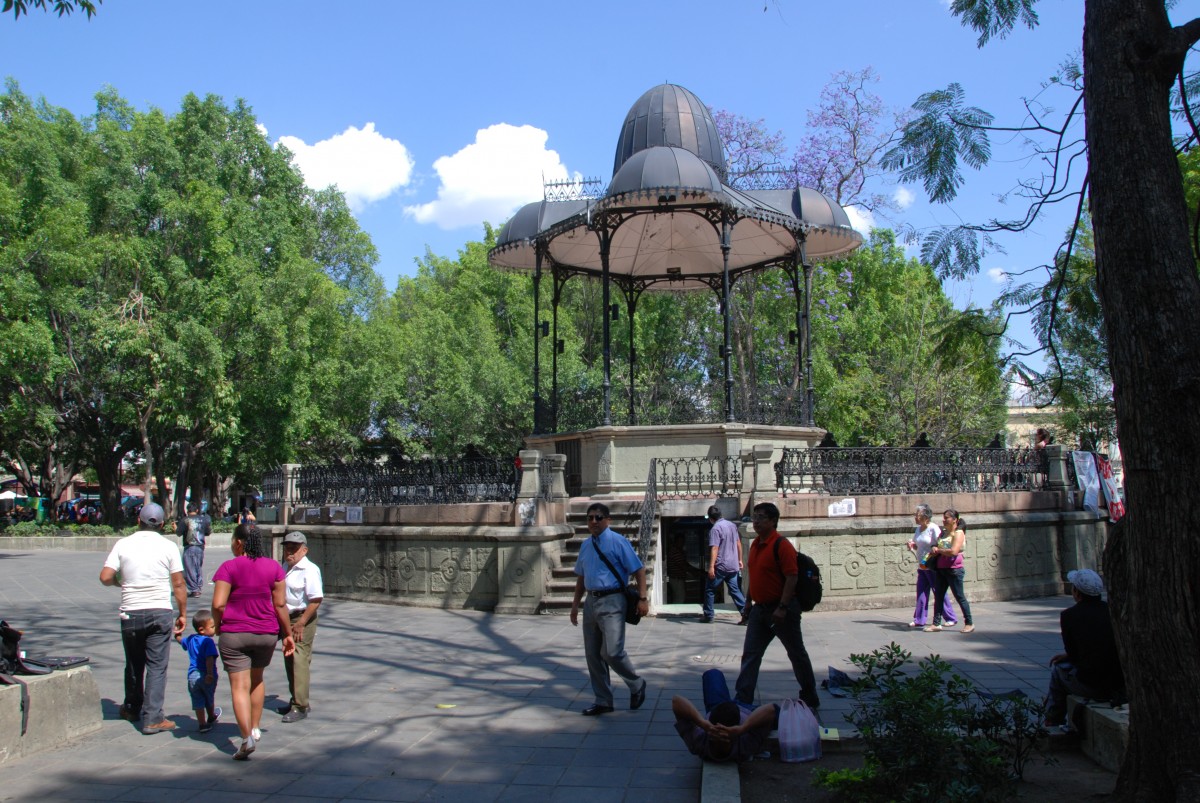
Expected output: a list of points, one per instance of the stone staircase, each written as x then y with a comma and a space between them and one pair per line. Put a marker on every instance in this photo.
626, 520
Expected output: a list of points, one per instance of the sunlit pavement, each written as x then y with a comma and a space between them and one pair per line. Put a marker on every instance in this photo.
422, 704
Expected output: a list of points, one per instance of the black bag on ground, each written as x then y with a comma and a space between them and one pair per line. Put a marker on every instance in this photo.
808, 580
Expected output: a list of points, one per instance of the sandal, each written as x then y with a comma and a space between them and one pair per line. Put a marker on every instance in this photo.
933, 628
969, 629
243, 752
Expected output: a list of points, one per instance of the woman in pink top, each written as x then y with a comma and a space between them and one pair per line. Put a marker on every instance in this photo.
249, 608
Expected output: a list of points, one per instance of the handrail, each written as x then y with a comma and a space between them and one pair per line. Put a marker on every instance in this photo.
698, 477
649, 512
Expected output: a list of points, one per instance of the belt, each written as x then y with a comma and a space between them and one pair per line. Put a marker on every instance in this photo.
605, 592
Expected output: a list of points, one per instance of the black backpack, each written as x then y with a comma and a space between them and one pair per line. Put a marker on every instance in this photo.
808, 581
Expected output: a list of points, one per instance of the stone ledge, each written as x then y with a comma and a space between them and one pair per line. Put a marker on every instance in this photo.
63, 706
1103, 731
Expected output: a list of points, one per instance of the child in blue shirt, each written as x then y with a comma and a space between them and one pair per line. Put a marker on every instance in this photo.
202, 670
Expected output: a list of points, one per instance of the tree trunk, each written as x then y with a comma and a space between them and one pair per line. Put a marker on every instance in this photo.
108, 471
1149, 291
187, 454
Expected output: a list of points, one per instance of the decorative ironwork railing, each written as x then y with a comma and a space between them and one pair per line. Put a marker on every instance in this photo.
545, 479
697, 477
573, 189
770, 405
885, 470
649, 513
764, 179
272, 487
426, 481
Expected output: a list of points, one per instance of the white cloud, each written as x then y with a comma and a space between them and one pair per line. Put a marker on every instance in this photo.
998, 275
262, 129
903, 197
861, 220
364, 164
489, 179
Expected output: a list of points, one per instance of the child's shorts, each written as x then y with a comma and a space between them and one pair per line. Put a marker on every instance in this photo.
203, 695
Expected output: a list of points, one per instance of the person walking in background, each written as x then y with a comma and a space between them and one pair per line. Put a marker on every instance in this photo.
202, 670
950, 571
924, 538
1090, 667
604, 611
304, 595
249, 609
193, 532
147, 569
724, 563
774, 610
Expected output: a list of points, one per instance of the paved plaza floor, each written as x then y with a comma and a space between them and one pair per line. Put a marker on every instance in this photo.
517, 685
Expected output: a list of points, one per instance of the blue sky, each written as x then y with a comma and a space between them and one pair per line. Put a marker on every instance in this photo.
435, 116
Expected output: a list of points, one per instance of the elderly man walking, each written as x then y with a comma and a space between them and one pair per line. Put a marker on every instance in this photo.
148, 570
724, 563
304, 595
605, 562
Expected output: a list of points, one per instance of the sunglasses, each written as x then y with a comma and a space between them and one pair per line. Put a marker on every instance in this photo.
597, 518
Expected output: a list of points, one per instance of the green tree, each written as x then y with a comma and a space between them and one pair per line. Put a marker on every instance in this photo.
1149, 289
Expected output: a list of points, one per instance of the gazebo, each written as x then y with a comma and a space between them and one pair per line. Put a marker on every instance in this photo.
673, 218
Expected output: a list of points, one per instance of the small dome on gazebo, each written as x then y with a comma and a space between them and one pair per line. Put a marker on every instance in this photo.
669, 115
663, 172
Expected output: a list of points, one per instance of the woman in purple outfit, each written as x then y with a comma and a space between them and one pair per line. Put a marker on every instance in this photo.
925, 536
249, 607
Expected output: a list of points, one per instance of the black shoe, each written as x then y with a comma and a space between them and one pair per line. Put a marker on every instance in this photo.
284, 709
638, 697
597, 710
708, 620
129, 715
295, 715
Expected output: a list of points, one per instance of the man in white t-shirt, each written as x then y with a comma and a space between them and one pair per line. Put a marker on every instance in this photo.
148, 570
304, 595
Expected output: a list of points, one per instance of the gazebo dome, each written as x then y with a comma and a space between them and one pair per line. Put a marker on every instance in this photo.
660, 168
672, 116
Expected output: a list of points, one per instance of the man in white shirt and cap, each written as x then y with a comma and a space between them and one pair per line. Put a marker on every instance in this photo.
304, 594
148, 570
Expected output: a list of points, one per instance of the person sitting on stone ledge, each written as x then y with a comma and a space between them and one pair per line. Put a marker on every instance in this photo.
1090, 667
730, 731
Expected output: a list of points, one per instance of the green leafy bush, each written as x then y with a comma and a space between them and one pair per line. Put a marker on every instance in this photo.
932, 736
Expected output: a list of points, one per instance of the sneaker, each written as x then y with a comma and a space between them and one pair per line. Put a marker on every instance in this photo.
915, 623
159, 727
255, 734
949, 624
933, 628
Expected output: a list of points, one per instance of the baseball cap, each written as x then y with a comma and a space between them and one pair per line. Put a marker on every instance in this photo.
1087, 581
152, 514
295, 538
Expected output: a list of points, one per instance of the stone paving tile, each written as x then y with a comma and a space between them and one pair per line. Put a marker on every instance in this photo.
155, 794
519, 684
400, 789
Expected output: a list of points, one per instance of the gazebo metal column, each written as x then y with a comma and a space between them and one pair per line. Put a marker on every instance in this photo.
632, 292
537, 340
605, 241
560, 280
726, 348
808, 394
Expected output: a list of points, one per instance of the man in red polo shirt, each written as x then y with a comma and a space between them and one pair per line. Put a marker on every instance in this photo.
774, 611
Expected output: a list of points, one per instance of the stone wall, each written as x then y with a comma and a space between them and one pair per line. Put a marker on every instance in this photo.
500, 568
865, 562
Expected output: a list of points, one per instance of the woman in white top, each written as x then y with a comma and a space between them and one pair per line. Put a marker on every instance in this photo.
924, 537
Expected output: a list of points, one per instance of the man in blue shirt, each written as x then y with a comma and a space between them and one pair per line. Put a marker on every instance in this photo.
604, 611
